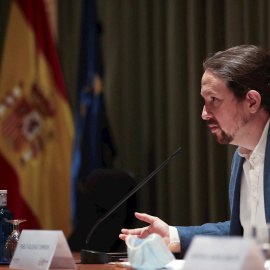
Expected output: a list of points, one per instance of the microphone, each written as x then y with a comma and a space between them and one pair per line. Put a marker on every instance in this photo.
96, 257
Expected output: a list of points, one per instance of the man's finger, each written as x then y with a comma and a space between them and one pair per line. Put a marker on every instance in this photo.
145, 217
122, 236
132, 231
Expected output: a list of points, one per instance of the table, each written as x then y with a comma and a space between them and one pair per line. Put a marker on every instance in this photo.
84, 267
80, 266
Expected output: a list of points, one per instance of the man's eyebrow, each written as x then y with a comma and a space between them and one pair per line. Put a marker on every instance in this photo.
208, 93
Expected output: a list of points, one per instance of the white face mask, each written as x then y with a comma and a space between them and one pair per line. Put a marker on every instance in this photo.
148, 253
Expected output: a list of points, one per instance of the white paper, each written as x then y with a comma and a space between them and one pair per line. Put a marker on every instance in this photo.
176, 264
223, 253
42, 249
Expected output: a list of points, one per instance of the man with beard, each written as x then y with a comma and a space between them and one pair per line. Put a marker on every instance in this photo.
236, 90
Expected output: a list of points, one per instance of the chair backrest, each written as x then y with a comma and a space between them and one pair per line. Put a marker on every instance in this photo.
103, 189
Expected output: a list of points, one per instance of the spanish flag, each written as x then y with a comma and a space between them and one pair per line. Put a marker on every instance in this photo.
36, 124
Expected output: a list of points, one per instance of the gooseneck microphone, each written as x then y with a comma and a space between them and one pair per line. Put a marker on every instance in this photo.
96, 257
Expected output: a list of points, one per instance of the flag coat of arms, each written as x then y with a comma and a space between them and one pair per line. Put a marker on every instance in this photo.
36, 124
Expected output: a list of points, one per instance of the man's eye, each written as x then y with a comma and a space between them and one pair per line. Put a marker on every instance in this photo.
213, 98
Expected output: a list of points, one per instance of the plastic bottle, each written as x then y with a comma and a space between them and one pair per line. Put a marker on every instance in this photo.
5, 227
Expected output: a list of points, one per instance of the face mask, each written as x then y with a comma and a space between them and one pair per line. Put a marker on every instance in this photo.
148, 253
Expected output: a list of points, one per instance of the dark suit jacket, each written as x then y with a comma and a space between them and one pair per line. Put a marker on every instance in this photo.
233, 226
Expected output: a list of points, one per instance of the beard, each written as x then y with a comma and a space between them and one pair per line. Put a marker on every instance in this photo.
224, 137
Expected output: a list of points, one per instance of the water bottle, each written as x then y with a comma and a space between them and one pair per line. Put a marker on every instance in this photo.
5, 227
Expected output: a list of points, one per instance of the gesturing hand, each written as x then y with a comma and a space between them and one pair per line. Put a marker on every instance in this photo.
156, 226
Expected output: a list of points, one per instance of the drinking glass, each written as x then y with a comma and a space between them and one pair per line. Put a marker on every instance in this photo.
261, 235
12, 239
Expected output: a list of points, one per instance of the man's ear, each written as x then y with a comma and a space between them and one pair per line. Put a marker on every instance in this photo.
254, 100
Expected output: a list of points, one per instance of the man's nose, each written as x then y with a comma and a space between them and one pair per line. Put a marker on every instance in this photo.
205, 114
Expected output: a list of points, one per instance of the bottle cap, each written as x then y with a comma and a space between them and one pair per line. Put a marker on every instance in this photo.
3, 191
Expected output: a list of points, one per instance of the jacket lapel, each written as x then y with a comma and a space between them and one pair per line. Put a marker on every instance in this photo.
235, 227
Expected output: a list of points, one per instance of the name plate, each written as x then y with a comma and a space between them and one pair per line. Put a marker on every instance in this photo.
223, 253
42, 249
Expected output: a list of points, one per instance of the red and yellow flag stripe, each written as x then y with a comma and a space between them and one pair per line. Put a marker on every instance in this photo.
36, 124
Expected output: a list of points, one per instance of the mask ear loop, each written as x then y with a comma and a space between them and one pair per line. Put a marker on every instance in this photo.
148, 239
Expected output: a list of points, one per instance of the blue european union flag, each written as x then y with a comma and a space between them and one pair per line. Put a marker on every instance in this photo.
93, 145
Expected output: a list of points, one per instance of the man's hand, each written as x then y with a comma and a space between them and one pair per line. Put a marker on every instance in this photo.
156, 226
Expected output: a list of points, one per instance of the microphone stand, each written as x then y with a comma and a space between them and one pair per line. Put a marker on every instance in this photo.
96, 257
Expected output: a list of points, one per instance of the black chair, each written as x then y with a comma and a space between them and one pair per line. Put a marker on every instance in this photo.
103, 189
